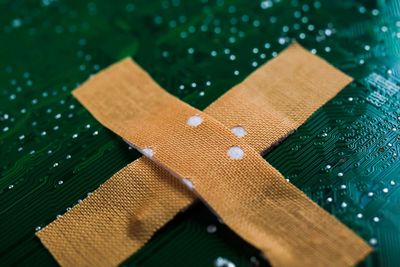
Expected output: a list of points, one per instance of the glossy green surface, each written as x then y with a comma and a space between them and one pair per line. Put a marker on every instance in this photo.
53, 153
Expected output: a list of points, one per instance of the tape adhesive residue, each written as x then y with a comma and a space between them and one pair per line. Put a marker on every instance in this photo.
277, 217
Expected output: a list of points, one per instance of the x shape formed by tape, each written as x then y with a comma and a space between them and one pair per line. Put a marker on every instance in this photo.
224, 170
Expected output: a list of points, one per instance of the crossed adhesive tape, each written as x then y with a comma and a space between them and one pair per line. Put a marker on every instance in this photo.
225, 170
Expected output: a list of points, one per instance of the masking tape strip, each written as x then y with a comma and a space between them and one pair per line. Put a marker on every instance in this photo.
280, 96
118, 218
250, 196
61, 237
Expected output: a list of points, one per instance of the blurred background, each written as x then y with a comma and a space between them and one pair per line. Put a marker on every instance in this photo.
53, 153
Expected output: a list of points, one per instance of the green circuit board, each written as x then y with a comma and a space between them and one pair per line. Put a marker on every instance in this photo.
53, 153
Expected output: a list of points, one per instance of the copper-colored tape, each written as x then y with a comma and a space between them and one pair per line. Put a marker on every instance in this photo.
118, 218
278, 97
85, 236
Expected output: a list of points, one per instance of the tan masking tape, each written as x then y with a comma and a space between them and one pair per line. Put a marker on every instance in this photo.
118, 218
84, 236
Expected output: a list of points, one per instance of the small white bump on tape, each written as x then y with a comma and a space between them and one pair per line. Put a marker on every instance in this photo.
148, 152
194, 121
239, 131
188, 183
235, 152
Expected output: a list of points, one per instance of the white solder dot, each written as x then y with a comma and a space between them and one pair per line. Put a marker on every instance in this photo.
222, 262
235, 152
359, 215
211, 229
373, 241
194, 121
239, 131
188, 183
148, 152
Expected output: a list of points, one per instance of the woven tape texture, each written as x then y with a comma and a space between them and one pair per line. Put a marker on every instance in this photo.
246, 192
